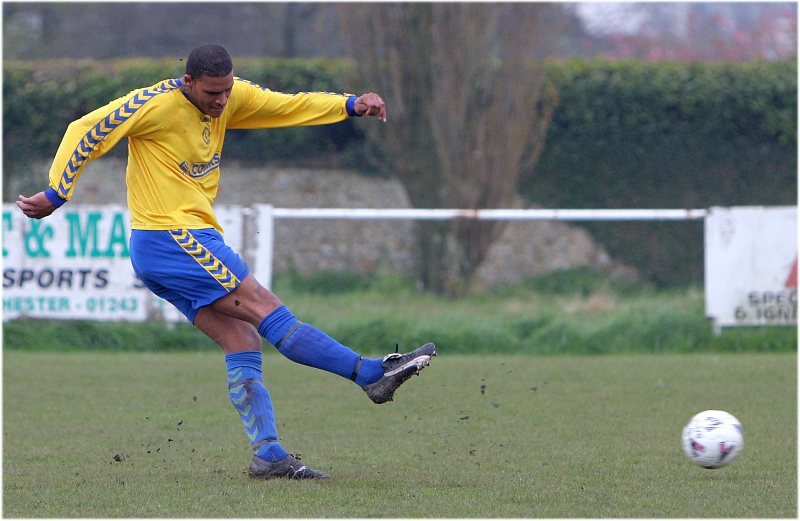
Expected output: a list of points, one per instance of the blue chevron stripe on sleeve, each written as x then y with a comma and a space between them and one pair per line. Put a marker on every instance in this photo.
96, 134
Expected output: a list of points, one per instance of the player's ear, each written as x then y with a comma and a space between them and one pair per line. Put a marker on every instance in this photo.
188, 80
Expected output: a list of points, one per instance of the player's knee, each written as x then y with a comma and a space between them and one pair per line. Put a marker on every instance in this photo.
241, 339
252, 287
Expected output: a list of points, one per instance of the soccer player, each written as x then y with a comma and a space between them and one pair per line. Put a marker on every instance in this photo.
175, 132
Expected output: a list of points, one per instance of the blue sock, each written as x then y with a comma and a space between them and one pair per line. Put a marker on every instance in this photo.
275, 325
309, 346
370, 371
252, 401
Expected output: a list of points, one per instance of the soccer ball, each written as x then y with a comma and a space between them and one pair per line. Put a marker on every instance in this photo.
713, 439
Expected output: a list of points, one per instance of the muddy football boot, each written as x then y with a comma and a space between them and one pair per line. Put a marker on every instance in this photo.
397, 369
289, 467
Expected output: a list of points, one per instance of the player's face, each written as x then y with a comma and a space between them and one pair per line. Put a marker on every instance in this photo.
209, 94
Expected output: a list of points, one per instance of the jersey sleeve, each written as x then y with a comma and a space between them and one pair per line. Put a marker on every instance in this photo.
96, 133
257, 107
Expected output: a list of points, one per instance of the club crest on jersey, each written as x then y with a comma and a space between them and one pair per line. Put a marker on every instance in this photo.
198, 170
206, 135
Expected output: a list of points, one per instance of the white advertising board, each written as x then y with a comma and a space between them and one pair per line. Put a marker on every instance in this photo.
751, 266
75, 264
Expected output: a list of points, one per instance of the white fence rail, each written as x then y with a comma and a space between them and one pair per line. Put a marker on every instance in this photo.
266, 216
486, 215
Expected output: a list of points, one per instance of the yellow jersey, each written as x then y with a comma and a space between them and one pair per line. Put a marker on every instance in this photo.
175, 150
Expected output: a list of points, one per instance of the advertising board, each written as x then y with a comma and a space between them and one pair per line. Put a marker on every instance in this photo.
751, 266
75, 264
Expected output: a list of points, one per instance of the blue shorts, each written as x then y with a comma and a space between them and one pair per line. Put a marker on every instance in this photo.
189, 268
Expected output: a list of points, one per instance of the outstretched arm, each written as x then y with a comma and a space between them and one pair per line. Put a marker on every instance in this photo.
370, 104
36, 206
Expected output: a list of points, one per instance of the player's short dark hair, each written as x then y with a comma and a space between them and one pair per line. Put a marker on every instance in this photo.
210, 59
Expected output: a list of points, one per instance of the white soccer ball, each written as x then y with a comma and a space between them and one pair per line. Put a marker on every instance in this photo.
713, 439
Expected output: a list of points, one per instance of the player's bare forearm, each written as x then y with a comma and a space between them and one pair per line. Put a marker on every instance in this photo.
370, 104
36, 206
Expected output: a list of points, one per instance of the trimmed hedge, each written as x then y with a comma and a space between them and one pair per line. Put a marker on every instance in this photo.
668, 135
626, 134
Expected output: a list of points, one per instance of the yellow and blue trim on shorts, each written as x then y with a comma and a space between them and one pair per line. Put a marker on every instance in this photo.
204, 258
189, 268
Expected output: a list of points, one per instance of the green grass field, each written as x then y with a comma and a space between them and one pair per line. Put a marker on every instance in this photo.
509, 435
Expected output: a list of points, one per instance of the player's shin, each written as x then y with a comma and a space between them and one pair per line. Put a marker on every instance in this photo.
253, 403
307, 345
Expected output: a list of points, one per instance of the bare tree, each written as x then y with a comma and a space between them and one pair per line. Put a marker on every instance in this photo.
468, 111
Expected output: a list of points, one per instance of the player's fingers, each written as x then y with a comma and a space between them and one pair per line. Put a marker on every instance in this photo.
378, 109
26, 208
23, 202
36, 207
373, 106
